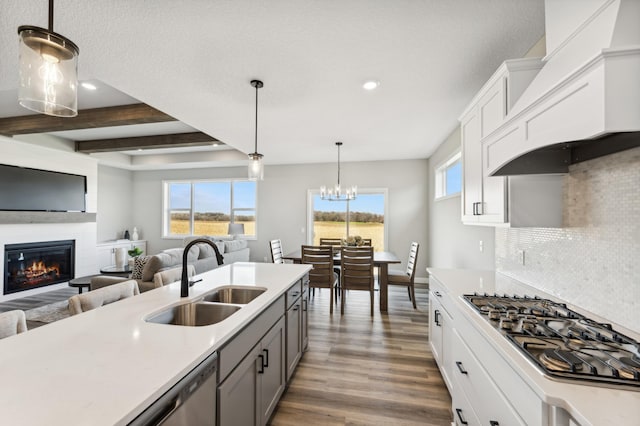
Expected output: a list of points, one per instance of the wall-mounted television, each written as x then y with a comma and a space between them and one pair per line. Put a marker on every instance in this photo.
25, 189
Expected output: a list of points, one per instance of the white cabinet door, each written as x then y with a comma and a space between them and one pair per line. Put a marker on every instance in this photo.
485, 198
106, 256
440, 329
472, 167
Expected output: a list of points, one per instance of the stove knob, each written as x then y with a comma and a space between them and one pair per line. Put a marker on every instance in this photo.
494, 314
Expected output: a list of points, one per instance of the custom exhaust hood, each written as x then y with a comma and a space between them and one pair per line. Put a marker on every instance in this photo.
585, 101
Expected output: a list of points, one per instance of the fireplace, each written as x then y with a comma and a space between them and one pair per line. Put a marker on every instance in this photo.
32, 265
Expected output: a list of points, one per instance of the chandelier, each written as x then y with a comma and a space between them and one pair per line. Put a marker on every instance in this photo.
336, 193
48, 71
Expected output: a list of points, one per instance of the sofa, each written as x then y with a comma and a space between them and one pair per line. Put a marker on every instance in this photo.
148, 270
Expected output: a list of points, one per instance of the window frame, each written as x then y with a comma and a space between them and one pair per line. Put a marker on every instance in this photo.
233, 211
440, 177
313, 192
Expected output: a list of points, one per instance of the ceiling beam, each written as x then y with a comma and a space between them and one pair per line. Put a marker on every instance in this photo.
146, 142
123, 115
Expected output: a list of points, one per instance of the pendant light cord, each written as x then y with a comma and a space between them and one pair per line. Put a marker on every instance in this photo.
338, 164
256, 134
51, 15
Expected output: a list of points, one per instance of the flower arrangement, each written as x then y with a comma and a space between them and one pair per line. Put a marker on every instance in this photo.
353, 241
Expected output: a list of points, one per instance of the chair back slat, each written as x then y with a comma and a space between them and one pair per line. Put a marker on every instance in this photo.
335, 243
357, 268
276, 251
411, 262
321, 258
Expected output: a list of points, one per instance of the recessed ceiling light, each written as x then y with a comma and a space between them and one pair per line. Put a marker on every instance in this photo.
139, 149
370, 85
88, 86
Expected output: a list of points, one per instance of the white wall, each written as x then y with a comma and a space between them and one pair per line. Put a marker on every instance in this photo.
452, 244
282, 202
115, 195
38, 156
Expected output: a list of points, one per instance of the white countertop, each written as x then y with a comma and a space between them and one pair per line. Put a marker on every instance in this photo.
104, 366
588, 404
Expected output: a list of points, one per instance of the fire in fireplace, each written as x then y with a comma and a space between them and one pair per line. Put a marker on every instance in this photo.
33, 265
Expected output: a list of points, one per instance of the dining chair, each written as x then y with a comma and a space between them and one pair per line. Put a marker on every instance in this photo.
12, 322
322, 274
357, 271
276, 251
406, 277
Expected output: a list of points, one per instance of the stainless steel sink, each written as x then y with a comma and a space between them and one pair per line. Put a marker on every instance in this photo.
236, 295
194, 314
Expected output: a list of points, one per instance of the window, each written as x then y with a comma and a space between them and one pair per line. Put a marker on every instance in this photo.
449, 177
363, 216
207, 207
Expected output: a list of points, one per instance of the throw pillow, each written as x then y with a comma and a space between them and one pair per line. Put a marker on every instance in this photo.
138, 266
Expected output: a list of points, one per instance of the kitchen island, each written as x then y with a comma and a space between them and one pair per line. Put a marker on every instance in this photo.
105, 366
470, 350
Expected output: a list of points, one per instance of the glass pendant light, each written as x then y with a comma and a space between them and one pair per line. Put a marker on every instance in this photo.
48, 71
256, 166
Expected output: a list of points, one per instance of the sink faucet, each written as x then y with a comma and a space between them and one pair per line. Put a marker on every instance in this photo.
184, 282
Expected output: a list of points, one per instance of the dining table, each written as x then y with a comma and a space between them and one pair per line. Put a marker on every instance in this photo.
381, 259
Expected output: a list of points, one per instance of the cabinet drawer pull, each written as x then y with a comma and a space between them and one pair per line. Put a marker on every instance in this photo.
475, 211
436, 318
461, 368
295, 294
462, 420
261, 371
437, 293
493, 423
295, 308
304, 305
266, 356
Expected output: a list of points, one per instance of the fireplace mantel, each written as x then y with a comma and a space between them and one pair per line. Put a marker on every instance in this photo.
10, 217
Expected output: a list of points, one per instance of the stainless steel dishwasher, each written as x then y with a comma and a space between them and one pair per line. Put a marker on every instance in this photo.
192, 401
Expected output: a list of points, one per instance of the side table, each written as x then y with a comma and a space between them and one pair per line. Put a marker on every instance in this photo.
82, 282
114, 270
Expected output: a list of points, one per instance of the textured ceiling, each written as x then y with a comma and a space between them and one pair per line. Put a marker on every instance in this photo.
193, 59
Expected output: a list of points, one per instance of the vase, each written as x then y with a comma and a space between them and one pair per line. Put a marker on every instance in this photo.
135, 236
121, 257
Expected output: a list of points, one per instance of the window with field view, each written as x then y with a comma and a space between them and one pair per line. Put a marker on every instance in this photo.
364, 217
207, 207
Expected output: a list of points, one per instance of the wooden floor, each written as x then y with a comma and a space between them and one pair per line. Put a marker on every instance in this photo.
367, 371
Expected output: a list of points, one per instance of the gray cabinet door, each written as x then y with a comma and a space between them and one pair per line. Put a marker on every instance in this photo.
238, 395
294, 347
305, 322
272, 380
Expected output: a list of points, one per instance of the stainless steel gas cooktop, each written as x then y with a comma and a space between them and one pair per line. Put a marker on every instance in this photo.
561, 342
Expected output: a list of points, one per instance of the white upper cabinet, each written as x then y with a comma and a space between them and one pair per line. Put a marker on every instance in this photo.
485, 198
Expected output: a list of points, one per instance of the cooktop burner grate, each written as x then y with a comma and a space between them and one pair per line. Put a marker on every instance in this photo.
561, 342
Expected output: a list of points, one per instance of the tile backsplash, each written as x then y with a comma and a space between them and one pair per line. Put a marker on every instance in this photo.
593, 261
